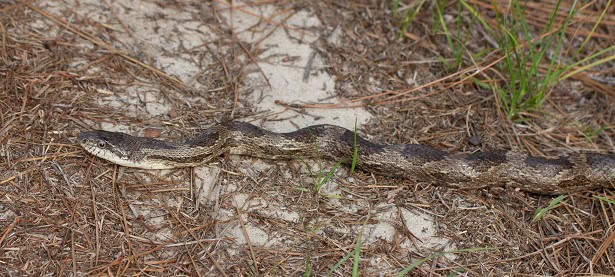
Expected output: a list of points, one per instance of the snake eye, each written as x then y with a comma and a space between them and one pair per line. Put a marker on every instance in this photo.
102, 144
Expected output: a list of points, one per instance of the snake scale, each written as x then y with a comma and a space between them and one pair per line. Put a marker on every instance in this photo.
576, 172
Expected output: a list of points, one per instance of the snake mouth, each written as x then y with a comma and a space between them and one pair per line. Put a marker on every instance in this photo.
111, 146
97, 146
108, 154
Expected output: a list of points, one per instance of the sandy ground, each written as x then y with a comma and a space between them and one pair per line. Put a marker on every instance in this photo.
294, 73
243, 215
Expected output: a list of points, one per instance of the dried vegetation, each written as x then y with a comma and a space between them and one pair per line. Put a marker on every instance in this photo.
63, 212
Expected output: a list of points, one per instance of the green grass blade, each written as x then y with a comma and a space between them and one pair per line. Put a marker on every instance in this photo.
414, 265
394, 7
590, 133
355, 153
318, 181
588, 58
329, 174
541, 212
340, 262
554, 71
355, 252
476, 15
408, 18
440, 12
314, 179
308, 270
585, 67
610, 201
593, 30
357, 249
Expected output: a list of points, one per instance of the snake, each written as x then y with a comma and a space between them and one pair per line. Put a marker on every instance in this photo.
477, 170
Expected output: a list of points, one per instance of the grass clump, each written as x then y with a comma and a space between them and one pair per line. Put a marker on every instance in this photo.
526, 88
532, 61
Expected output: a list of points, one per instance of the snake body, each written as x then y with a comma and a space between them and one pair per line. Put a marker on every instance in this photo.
575, 172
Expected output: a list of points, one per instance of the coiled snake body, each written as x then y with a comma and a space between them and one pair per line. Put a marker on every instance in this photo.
571, 173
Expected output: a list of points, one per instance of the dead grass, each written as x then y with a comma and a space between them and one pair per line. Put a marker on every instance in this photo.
63, 212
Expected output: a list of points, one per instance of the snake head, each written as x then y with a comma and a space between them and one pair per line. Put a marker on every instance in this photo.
124, 149
111, 146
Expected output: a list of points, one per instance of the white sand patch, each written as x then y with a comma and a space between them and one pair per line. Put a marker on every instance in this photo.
420, 224
206, 178
155, 105
154, 218
257, 236
114, 127
153, 34
285, 64
136, 101
281, 213
6, 215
